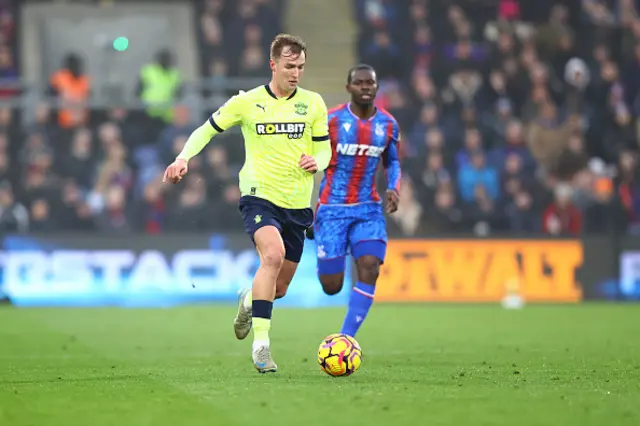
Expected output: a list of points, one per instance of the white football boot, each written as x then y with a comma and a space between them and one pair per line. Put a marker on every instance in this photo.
242, 321
262, 359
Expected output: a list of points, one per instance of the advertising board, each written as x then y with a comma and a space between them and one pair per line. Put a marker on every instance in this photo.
481, 270
143, 271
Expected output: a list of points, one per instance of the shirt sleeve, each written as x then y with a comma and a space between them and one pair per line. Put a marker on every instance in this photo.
320, 127
391, 161
228, 115
320, 135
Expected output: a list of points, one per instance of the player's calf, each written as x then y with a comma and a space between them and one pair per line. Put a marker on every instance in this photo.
331, 274
368, 269
287, 271
332, 283
363, 293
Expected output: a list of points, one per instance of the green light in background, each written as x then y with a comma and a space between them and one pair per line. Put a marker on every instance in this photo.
121, 44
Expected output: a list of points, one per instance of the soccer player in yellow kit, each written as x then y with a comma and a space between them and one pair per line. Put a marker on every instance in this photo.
286, 142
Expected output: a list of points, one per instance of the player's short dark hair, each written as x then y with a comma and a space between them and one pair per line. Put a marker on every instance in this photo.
295, 44
359, 67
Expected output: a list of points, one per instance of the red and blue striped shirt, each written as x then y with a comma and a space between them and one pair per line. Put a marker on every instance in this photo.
357, 146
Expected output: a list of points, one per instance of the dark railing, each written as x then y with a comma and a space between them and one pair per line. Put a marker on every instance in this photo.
201, 96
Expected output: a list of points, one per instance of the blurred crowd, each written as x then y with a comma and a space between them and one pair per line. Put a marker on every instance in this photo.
75, 169
9, 73
518, 116
235, 36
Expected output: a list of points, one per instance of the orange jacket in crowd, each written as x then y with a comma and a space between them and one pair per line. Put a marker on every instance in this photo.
73, 92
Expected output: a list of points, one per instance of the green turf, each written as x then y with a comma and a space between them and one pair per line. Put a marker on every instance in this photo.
423, 365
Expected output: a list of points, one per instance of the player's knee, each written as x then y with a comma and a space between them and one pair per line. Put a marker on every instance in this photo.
273, 257
332, 284
368, 269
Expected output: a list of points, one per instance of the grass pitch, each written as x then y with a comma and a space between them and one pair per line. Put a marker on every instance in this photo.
423, 364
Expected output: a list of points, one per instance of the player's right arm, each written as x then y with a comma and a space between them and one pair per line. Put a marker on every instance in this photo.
228, 115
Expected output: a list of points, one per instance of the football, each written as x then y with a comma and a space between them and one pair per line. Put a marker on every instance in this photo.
339, 355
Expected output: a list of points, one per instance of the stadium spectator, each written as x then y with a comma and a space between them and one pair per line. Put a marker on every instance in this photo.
42, 123
512, 145
445, 215
472, 144
9, 68
40, 218
562, 217
482, 212
384, 55
159, 85
9, 77
409, 221
79, 162
181, 126
114, 216
429, 177
189, 210
477, 174
72, 87
629, 189
14, 216
520, 209
70, 209
151, 209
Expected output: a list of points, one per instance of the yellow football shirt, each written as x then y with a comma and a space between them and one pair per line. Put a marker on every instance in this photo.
277, 132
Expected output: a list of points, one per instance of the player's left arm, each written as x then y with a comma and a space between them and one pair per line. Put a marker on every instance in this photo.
320, 134
391, 162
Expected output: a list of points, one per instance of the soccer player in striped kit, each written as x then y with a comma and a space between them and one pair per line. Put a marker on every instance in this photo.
349, 215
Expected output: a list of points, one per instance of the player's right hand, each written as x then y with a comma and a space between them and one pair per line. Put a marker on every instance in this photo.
308, 164
393, 199
175, 171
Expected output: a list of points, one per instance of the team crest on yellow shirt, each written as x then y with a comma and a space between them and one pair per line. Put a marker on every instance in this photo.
301, 108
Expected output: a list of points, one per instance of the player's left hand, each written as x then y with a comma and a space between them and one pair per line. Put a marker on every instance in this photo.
392, 201
308, 163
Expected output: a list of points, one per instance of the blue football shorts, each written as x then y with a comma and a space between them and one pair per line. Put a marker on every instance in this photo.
359, 230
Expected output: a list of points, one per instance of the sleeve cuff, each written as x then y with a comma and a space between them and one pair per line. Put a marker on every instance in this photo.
320, 138
215, 125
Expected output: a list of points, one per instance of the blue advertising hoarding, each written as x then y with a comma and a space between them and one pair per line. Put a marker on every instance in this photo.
144, 271
630, 275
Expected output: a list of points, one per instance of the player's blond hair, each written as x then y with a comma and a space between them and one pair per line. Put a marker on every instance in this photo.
295, 44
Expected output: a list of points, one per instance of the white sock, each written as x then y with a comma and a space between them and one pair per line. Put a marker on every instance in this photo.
259, 343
